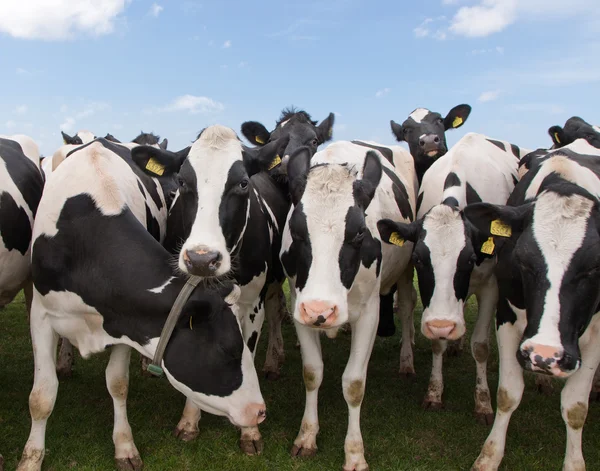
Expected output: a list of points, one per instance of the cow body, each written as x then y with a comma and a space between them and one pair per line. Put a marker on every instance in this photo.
118, 292
448, 255
549, 288
336, 265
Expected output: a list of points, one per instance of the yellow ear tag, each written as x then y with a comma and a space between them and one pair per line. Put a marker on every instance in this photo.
457, 122
275, 163
396, 239
488, 246
191, 328
497, 227
556, 137
155, 167
259, 140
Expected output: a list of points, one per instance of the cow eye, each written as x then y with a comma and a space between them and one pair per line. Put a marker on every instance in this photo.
440, 120
244, 184
314, 142
406, 130
359, 237
181, 182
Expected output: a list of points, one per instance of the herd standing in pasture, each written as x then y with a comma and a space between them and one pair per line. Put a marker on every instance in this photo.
346, 226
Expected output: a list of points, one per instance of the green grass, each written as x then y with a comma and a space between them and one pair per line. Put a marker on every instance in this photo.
398, 434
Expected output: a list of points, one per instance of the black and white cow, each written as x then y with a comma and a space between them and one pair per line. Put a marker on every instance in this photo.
337, 267
425, 133
229, 216
575, 128
82, 137
548, 271
302, 131
452, 259
101, 278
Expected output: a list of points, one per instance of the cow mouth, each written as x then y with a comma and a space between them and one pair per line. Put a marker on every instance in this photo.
433, 153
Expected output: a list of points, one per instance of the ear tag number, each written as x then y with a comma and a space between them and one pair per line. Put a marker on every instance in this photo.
396, 239
155, 167
275, 163
497, 227
488, 246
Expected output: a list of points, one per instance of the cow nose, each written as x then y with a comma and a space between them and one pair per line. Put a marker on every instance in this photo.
256, 413
440, 329
430, 143
202, 261
318, 313
547, 359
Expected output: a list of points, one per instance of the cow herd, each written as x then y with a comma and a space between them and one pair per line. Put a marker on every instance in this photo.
103, 235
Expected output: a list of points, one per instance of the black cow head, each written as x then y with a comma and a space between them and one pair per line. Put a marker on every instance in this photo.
575, 128
111, 138
150, 139
425, 133
73, 140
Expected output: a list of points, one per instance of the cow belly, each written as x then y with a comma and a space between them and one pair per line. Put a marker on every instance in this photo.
14, 270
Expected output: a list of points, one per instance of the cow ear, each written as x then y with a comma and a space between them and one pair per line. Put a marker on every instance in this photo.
557, 134
497, 220
325, 129
266, 157
397, 130
297, 169
397, 233
73, 140
457, 116
256, 133
163, 145
158, 162
364, 189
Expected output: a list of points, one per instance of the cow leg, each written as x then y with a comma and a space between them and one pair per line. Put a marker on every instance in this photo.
487, 298
575, 395
127, 456
28, 292
45, 387
510, 391
275, 312
187, 429
386, 327
406, 304
64, 365
433, 397
353, 382
595, 394
312, 369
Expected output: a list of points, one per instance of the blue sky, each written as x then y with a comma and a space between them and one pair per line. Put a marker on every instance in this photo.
174, 67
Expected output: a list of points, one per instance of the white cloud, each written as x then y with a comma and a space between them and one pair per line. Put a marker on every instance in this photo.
427, 28
58, 19
497, 49
22, 71
21, 109
488, 96
155, 10
383, 92
68, 125
194, 105
227, 44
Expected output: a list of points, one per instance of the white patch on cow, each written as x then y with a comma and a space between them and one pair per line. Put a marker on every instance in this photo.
86, 136
284, 123
419, 114
211, 157
175, 198
270, 214
559, 227
422, 136
160, 289
243, 228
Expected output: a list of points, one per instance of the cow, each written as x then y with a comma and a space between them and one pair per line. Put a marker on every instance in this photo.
229, 215
547, 321
452, 260
95, 213
575, 128
302, 131
336, 266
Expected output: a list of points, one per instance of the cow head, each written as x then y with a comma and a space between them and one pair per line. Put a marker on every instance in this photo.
302, 132
111, 138
425, 133
82, 137
555, 256
327, 241
446, 249
150, 139
575, 128
207, 355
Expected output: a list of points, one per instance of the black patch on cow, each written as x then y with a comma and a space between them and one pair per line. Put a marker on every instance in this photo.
355, 234
472, 195
141, 188
252, 341
451, 201
498, 144
462, 274
422, 261
152, 224
451, 181
252, 317
516, 151
14, 224
400, 194
515, 180
298, 259
419, 201
385, 151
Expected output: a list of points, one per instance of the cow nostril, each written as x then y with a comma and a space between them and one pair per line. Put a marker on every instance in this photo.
421, 143
436, 139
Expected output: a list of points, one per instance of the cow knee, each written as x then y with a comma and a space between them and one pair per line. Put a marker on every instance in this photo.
480, 351
354, 391
41, 404
118, 388
575, 415
312, 377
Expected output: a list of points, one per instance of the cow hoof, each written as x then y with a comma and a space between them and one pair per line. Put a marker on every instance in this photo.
408, 375
272, 375
301, 452
186, 435
484, 418
252, 447
432, 405
129, 464
357, 468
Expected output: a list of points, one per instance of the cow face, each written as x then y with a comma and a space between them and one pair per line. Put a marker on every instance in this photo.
327, 240
446, 250
552, 253
425, 133
302, 132
575, 128
207, 356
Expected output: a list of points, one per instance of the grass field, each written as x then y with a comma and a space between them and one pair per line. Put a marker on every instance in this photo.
398, 434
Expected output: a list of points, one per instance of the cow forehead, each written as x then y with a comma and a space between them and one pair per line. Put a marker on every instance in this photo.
445, 234
419, 115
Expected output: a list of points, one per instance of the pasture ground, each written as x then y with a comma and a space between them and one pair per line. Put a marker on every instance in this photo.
398, 434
